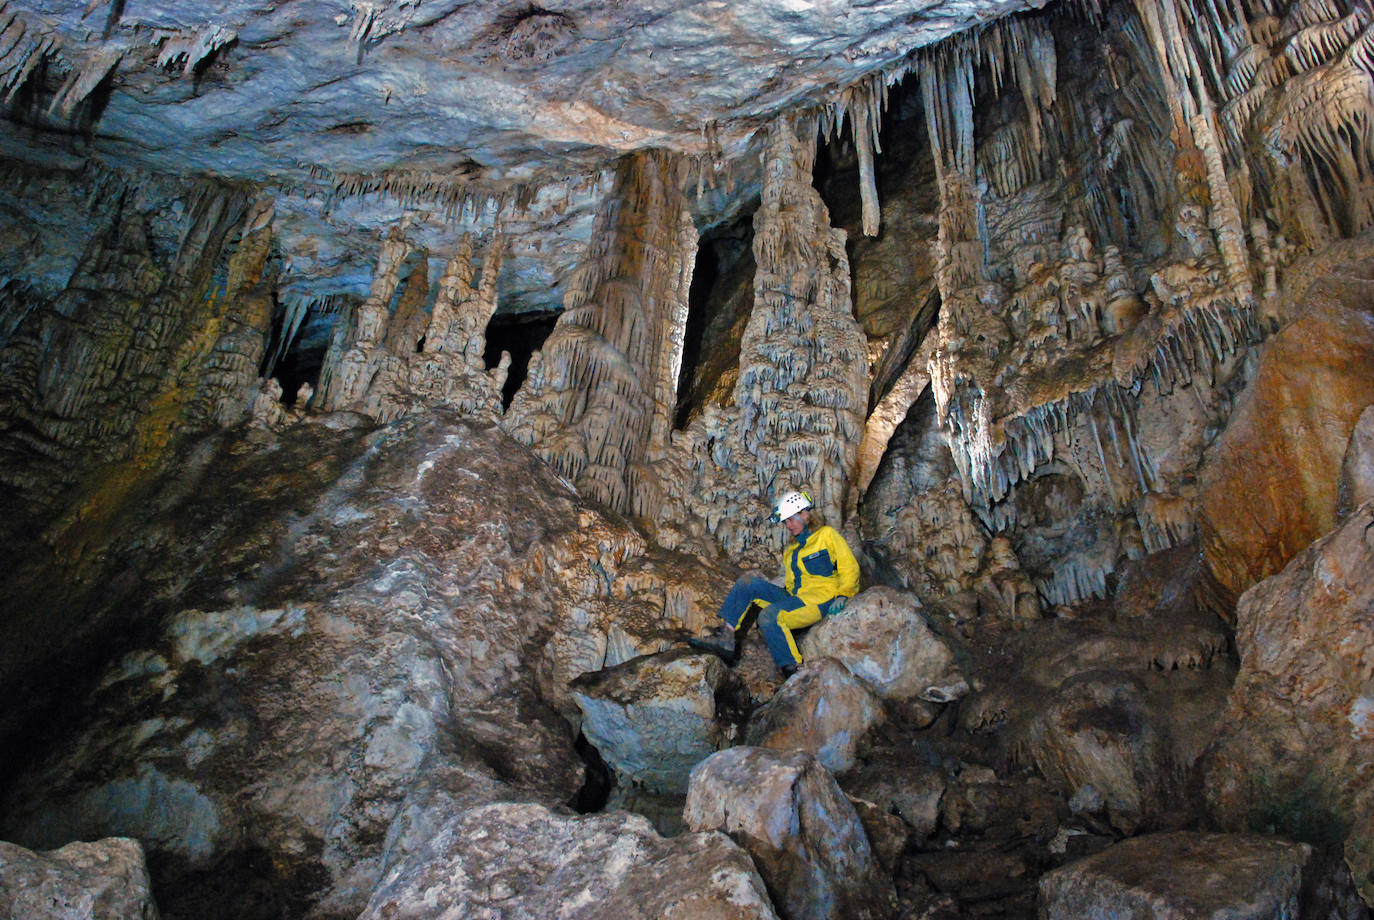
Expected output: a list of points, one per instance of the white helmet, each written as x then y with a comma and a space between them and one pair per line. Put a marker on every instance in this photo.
790, 504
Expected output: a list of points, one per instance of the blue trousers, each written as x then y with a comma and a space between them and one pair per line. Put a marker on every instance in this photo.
782, 613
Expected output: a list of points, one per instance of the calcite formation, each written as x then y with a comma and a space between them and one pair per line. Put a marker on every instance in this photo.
599, 400
319, 567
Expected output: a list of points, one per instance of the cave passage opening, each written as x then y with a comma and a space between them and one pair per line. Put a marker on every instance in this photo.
521, 334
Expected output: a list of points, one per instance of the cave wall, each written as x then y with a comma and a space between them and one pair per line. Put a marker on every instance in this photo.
1093, 218
1058, 297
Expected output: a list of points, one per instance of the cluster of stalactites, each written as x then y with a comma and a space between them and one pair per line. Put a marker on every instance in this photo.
864, 102
1299, 92
390, 357
25, 45
598, 400
456, 199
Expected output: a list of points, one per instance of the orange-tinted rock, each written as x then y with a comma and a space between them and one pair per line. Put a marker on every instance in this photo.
1270, 486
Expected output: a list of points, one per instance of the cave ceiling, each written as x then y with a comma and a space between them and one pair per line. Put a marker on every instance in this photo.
454, 116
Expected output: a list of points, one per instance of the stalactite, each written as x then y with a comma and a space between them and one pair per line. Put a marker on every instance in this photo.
22, 48
84, 79
189, 50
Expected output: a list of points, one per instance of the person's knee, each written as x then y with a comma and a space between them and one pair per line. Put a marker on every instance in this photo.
768, 619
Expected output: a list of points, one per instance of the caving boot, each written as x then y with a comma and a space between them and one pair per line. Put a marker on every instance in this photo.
788, 671
719, 641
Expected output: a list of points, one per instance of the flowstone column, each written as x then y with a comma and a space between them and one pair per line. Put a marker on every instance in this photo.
797, 414
598, 401
803, 384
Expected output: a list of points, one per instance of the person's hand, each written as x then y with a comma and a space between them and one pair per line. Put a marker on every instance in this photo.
837, 604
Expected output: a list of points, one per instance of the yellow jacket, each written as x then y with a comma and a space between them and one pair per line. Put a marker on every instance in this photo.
817, 566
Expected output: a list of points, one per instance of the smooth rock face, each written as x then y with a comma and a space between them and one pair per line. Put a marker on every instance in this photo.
1300, 718
102, 880
1269, 486
882, 636
1180, 876
526, 861
786, 810
653, 718
824, 710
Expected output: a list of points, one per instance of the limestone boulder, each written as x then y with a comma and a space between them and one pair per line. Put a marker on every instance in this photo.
336, 621
653, 718
896, 785
1100, 736
101, 880
787, 811
1291, 749
883, 636
824, 710
1180, 876
509, 860
1269, 485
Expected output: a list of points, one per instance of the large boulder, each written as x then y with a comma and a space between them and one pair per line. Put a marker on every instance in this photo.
883, 637
787, 811
333, 619
653, 718
824, 710
1292, 747
1180, 876
1269, 486
1100, 738
102, 880
508, 860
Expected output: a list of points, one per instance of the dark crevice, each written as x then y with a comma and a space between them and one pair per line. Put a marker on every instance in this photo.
719, 303
599, 781
521, 334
